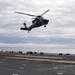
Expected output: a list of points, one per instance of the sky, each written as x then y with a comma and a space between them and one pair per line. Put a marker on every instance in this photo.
58, 36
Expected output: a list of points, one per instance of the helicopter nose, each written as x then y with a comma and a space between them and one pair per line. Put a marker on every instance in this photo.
46, 21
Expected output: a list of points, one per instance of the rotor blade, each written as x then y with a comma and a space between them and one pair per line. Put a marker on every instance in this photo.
45, 12
25, 14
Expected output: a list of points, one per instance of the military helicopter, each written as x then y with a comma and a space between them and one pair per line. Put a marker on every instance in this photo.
37, 22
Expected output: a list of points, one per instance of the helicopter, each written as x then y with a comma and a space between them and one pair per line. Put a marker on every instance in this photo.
36, 22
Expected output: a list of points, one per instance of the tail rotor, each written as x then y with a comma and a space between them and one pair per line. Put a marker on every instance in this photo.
25, 24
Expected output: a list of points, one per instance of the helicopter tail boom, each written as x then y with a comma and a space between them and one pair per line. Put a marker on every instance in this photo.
25, 29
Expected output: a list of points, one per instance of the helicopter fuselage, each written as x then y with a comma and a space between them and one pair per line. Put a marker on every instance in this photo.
35, 24
39, 22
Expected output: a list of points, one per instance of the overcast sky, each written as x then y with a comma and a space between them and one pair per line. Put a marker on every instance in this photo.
59, 35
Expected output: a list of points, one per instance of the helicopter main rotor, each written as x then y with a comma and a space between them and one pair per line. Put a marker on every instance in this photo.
33, 15
45, 12
26, 14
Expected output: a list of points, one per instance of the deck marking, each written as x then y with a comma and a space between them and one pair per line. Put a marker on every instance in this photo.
44, 60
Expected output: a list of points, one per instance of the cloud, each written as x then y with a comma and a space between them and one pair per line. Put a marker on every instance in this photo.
36, 46
60, 30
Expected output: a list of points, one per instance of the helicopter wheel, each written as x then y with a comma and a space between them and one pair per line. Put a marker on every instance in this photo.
44, 25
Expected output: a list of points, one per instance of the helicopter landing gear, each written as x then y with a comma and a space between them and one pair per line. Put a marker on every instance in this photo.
44, 25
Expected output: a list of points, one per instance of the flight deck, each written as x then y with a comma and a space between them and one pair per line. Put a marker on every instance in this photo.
20, 64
